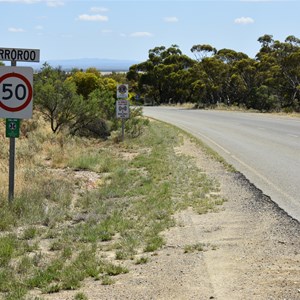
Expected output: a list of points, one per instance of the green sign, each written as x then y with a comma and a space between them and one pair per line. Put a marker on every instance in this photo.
12, 128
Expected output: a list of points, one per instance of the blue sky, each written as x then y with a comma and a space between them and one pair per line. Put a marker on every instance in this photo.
67, 29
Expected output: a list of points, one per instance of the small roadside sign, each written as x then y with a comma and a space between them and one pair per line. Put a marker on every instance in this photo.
17, 54
16, 92
123, 110
122, 91
12, 128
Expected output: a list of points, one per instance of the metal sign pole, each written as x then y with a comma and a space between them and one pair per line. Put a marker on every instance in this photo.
12, 150
12, 155
123, 129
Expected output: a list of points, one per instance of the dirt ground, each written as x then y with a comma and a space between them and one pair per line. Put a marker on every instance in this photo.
251, 251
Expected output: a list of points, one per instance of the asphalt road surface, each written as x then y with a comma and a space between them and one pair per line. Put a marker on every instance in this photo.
265, 148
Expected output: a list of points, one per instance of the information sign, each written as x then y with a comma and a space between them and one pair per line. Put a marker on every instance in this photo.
123, 109
12, 128
122, 91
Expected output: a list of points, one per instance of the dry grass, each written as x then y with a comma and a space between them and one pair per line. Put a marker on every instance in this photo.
87, 208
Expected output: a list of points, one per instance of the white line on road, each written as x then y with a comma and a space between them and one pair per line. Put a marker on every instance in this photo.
213, 142
254, 171
293, 135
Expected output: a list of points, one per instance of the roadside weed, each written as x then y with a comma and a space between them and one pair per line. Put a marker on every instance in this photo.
107, 280
99, 161
80, 296
198, 247
142, 260
29, 233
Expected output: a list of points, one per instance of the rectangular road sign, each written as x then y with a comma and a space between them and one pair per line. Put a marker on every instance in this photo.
123, 109
12, 128
17, 54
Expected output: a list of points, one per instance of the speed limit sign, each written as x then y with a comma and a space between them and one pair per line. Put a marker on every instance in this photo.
16, 92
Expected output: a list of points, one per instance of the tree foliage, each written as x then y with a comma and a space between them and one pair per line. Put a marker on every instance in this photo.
56, 97
162, 77
270, 81
82, 102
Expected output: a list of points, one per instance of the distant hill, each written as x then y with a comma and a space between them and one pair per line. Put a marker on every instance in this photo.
105, 65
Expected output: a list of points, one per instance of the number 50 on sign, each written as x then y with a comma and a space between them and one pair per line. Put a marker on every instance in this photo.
16, 92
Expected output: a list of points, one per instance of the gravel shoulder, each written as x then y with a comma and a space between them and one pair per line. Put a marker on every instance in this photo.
251, 250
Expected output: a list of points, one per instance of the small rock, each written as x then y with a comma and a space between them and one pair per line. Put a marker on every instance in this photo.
282, 242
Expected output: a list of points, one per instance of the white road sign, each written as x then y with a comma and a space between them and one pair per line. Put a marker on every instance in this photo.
122, 91
16, 92
123, 110
17, 54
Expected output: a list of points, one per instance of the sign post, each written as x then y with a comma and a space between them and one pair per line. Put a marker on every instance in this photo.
15, 99
123, 110
12, 131
12, 160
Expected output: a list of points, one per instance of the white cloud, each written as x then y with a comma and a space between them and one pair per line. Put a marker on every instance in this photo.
98, 9
260, 0
50, 3
244, 20
39, 27
21, 1
93, 18
171, 19
14, 29
141, 34
55, 3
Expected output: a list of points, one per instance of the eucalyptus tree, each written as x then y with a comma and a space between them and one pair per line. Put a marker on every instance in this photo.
202, 51
279, 70
162, 77
288, 54
243, 82
271, 81
198, 86
216, 73
291, 72
230, 56
238, 78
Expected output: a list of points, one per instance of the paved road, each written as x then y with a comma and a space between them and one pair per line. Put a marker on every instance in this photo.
265, 148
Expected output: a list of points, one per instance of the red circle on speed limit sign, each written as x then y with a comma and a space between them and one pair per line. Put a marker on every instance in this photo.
29, 91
